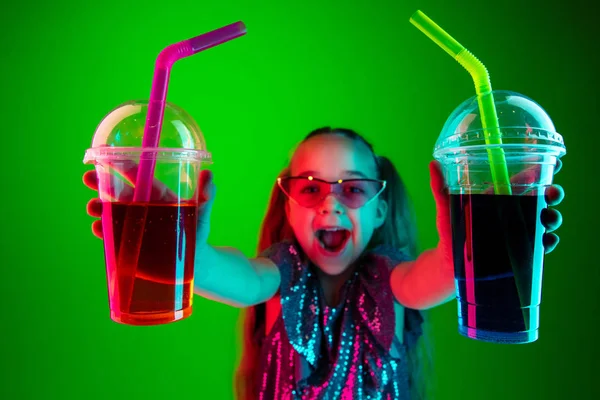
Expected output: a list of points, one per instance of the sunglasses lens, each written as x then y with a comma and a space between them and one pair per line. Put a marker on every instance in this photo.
309, 193
357, 193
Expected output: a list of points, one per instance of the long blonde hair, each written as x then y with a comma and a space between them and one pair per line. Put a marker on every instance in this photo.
398, 230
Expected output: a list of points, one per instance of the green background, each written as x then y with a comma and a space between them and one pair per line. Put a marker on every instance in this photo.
355, 64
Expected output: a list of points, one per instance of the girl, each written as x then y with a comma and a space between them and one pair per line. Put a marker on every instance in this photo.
333, 300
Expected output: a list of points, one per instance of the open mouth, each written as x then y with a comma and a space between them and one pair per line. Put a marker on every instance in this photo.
333, 240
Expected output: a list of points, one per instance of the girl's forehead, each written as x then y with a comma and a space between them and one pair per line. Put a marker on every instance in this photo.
331, 156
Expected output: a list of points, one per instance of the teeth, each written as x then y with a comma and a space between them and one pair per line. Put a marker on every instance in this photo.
322, 231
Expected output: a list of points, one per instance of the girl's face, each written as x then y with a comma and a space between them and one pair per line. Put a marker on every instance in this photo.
331, 234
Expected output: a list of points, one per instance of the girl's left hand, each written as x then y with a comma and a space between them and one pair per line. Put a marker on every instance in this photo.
550, 218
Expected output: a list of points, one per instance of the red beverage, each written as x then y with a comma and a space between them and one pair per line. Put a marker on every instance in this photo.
164, 276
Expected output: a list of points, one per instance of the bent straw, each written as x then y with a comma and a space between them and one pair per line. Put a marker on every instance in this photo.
133, 229
158, 95
485, 99
489, 119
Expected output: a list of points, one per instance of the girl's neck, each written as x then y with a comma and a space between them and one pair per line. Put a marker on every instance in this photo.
332, 285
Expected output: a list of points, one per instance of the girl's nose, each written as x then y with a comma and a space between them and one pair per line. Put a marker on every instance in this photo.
331, 205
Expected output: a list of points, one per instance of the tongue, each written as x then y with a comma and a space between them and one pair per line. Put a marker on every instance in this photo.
333, 239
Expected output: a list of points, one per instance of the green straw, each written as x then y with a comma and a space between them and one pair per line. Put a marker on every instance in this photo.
489, 119
485, 98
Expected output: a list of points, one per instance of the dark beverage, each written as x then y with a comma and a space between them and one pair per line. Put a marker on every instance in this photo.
498, 261
161, 284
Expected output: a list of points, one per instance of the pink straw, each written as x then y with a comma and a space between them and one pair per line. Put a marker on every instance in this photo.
158, 96
131, 238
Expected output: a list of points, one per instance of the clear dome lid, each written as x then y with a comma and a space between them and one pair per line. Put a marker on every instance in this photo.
522, 122
122, 130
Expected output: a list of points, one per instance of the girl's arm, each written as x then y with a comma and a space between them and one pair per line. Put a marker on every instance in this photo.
224, 274
429, 280
424, 283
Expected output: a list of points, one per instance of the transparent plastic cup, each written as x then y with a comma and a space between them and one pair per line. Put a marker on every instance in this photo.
497, 238
150, 274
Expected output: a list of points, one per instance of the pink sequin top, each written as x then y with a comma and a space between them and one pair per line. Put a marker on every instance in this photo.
345, 352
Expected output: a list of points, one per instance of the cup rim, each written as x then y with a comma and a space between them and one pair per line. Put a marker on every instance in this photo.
467, 151
113, 153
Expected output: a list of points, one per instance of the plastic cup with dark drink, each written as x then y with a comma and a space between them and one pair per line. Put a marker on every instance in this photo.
148, 157
497, 237
498, 151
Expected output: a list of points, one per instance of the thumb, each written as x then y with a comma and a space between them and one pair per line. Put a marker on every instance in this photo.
442, 205
206, 197
438, 187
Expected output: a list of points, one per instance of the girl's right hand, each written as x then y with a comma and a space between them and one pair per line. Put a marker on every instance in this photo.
206, 197
94, 206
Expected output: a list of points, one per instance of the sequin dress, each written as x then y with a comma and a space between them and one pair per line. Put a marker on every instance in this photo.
345, 352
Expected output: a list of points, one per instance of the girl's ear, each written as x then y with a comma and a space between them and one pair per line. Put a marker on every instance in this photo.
381, 215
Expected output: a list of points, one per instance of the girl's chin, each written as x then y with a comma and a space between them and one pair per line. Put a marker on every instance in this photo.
333, 270
331, 263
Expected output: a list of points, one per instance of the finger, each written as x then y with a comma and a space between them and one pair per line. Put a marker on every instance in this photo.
551, 219
527, 176
205, 186
550, 241
520, 181
204, 210
532, 174
554, 194
206, 199
489, 190
97, 229
128, 169
162, 193
113, 187
116, 189
94, 208
438, 186
558, 166
90, 180
442, 202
